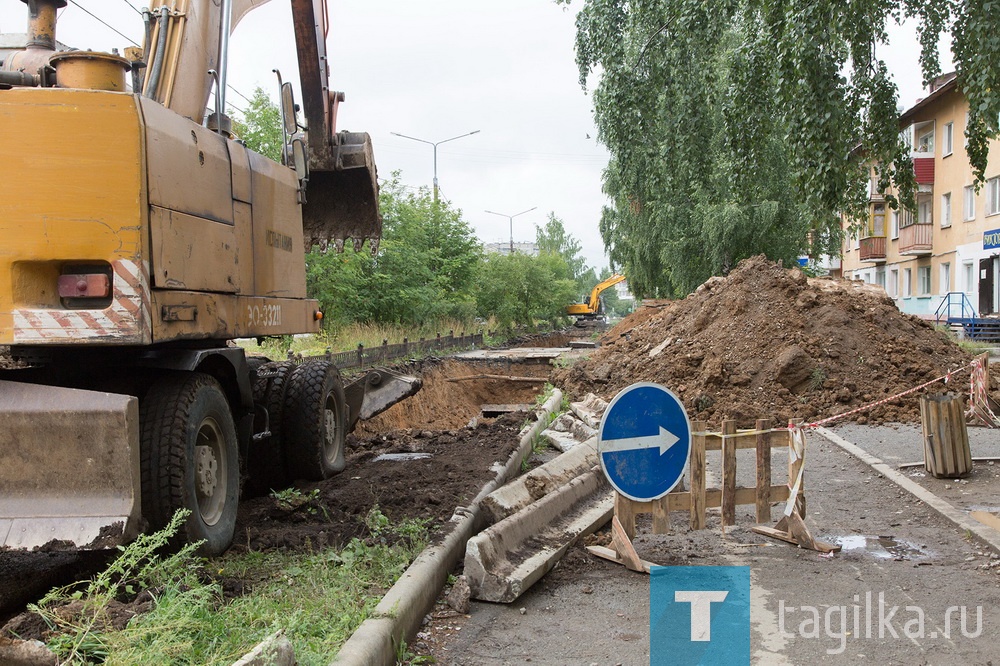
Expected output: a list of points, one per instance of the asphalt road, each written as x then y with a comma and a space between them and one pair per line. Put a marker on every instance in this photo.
805, 607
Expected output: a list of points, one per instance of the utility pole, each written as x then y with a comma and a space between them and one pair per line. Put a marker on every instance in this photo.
435, 145
511, 218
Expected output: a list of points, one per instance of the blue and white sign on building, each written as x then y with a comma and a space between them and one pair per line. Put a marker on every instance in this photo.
991, 239
644, 441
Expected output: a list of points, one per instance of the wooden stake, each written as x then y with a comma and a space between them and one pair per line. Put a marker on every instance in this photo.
763, 471
625, 514
661, 515
728, 473
698, 476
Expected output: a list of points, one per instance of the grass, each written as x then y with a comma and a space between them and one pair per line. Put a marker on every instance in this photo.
539, 443
318, 599
347, 338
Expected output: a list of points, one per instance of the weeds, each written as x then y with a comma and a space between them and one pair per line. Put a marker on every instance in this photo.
817, 378
318, 599
292, 499
82, 635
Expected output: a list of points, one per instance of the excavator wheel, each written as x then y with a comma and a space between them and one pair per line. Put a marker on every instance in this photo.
190, 458
265, 462
315, 422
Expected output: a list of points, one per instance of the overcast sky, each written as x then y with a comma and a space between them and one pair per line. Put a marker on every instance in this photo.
439, 69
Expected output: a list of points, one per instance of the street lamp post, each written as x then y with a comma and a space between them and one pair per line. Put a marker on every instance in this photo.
435, 144
511, 218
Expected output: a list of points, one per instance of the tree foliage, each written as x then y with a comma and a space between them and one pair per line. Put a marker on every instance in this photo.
425, 269
518, 289
260, 127
734, 125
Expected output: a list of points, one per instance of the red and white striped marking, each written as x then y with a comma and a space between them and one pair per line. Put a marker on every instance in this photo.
126, 320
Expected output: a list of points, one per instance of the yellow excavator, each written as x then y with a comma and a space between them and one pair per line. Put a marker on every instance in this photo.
592, 312
138, 238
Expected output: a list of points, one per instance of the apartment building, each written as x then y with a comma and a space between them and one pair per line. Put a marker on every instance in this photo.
951, 243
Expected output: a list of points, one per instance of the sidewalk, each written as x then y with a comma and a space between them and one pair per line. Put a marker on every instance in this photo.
592, 612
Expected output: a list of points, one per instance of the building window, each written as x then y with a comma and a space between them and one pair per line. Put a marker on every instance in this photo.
969, 277
925, 213
946, 210
993, 196
895, 224
945, 275
923, 280
893, 287
907, 282
925, 141
949, 139
969, 205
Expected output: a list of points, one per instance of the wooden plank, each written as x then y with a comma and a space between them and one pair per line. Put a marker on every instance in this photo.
621, 543
608, 554
787, 537
763, 495
661, 515
625, 513
713, 499
728, 473
698, 476
713, 441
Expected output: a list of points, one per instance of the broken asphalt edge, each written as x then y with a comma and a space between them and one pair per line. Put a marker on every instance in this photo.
946, 509
402, 609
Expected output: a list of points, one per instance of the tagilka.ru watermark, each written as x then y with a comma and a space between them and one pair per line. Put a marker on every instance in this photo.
872, 617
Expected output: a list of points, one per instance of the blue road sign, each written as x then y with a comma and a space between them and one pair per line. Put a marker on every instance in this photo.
644, 441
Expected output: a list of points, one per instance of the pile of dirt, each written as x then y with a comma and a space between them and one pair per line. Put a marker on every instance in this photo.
456, 466
766, 342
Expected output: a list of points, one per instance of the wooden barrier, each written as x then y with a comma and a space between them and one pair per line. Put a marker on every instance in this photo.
699, 498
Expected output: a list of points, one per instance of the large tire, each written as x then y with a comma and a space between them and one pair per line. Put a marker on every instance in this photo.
315, 422
265, 462
190, 459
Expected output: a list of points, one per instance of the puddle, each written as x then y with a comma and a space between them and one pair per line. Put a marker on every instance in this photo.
882, 547
402, 457
983, 507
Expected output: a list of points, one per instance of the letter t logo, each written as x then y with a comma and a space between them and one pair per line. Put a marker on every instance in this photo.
701, 610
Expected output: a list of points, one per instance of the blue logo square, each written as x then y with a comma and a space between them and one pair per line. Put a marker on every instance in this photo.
699, 615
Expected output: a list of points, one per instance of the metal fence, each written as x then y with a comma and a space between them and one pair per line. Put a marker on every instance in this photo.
366, 357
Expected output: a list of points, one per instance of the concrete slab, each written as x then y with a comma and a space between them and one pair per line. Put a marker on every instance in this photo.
541, 481
522, 355
506, 559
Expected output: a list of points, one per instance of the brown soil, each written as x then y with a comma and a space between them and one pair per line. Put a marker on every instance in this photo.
332, 512
462, 460
442, 404
766, 342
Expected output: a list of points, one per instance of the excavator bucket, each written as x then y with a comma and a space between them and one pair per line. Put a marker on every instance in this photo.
376, 391
69, 468
342, 196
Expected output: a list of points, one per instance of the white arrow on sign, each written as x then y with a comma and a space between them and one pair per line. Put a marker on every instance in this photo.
664, 440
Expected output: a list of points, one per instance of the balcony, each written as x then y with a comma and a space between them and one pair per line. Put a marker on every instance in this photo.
923, 169
873, 248
916, 239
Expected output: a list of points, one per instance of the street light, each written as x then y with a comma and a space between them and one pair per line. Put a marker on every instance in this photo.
435, 144
511, 218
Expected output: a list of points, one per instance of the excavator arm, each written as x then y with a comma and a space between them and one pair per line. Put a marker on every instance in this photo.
594, 302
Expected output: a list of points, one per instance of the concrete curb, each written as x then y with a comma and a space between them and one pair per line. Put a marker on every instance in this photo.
546, 528
539, 482
402, 609
947, 510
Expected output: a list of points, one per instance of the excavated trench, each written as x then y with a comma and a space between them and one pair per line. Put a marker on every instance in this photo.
448, 446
